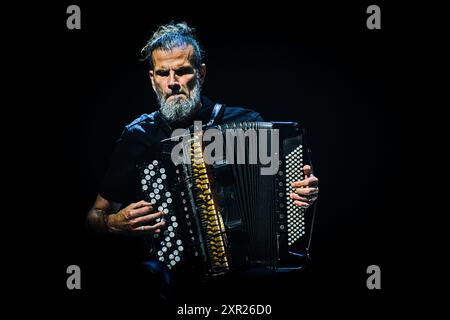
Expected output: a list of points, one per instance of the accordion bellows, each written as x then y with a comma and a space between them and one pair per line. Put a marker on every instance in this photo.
225, 215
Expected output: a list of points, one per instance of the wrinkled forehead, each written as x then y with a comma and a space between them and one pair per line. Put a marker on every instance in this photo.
172, 58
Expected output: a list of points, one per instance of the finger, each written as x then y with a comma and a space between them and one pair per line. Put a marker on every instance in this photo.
295, 196
311, 181
299, 184
301, 204
314, 182
139, 221
140, 212
307, 191
139, 204
307, 170
130, 214
148, 228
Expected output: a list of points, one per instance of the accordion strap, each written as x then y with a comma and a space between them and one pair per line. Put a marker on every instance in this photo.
216, 114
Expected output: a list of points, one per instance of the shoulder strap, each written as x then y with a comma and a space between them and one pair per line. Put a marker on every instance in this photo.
216, 115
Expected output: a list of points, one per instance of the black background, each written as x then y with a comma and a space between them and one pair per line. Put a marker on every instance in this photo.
317, 64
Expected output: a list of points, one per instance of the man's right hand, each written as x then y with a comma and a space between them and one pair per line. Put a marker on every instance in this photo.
136, 219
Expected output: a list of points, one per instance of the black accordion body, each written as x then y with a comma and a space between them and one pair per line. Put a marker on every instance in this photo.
226, 215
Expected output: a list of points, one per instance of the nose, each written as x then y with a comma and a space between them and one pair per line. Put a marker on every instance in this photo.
173, 83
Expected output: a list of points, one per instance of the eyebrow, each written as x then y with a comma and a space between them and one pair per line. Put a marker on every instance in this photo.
180, 69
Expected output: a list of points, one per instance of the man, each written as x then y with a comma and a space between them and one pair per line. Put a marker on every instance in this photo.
177, 74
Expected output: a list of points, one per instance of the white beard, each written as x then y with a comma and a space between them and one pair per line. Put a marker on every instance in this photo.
180, 109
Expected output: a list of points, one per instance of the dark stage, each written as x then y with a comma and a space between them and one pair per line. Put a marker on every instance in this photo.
316, 64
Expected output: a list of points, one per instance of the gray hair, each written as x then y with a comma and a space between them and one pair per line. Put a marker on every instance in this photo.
170, 36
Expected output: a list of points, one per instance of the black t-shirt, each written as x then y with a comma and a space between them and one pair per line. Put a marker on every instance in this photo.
145, 133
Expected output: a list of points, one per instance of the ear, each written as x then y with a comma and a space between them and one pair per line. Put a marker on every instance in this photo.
202, 72
152, 78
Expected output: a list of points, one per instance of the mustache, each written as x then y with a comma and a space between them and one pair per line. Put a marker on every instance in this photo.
176, 94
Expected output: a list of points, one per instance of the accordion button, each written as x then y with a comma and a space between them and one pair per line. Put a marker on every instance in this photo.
177, 258
173, 218
162, 170
169, 244
158, 197
144, 187
175, 224
178, 242
155, 162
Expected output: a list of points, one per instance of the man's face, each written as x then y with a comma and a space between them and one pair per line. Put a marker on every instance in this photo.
176, 82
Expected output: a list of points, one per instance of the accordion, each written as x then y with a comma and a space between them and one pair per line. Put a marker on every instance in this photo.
225, 208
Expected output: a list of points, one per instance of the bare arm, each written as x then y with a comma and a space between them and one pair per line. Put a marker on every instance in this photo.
136, 219
97, 217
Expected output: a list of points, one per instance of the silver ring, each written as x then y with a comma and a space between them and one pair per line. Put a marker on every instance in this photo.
142, 228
